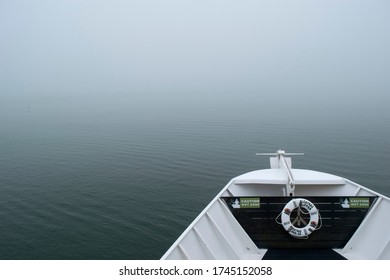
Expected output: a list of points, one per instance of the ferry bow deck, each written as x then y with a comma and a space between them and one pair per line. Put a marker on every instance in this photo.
249, 219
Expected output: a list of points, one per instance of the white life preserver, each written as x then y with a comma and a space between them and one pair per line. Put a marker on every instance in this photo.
311, 226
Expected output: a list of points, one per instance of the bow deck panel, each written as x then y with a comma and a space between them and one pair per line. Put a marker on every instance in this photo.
338, 221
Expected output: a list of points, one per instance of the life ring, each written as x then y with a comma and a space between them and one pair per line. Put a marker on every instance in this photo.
310, 227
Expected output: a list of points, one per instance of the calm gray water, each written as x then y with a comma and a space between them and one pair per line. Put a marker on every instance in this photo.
112, 178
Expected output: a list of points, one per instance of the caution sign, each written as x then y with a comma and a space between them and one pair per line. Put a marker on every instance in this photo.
250, 202
355, 202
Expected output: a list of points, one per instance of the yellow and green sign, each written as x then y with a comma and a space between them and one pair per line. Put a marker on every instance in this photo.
250, 202
359, 202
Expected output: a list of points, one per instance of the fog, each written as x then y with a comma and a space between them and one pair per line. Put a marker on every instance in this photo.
197, 56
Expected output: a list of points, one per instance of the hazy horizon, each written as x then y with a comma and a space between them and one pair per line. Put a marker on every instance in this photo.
197, 56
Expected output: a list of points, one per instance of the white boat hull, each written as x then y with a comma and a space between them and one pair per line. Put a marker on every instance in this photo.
218, 233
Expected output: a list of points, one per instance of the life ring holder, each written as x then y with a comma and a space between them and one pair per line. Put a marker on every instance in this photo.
301, 203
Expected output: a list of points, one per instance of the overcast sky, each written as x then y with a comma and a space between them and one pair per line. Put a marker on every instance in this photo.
163, 49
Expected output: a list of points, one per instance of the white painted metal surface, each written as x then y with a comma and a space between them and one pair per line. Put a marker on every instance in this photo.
216, 234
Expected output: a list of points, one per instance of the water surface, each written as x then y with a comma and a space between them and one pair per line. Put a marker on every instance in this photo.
119, 178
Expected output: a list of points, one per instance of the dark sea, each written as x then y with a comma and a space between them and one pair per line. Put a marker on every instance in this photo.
111, 178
